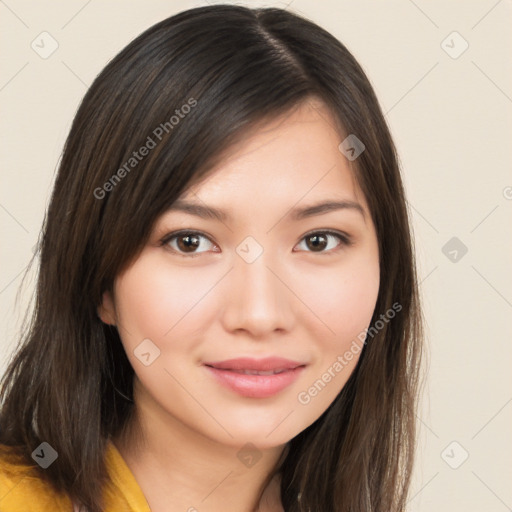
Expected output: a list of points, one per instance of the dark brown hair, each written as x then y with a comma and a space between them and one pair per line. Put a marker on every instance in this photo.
70, 382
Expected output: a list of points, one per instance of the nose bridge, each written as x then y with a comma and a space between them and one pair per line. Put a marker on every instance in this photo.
257, 300
257, 282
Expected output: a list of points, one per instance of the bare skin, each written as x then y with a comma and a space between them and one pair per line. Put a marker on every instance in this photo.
200, 471
292, 301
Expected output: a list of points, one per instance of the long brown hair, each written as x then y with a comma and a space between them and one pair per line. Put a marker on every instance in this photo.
193, 84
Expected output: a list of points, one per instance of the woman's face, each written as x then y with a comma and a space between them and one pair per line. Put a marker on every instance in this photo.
241, 327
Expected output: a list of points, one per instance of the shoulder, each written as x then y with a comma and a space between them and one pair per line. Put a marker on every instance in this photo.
23, 489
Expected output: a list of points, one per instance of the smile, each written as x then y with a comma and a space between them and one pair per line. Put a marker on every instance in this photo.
256, 378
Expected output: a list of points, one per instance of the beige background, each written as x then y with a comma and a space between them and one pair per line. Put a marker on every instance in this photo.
451, 119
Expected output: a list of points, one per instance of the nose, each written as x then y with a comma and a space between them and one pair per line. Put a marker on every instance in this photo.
257, 298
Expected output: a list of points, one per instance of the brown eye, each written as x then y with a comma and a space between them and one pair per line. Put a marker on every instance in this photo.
316, 242
322, 240
187, 243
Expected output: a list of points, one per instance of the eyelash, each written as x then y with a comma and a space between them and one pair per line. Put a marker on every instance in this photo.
345, 240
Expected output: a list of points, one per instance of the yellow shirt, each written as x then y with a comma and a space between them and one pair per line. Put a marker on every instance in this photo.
21, 490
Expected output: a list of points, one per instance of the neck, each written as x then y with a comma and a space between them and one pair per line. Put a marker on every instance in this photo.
178, 468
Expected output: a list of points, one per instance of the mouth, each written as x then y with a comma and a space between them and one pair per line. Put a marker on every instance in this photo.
254, 372
256, 378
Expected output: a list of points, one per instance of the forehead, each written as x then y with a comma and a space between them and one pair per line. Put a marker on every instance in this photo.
285, 159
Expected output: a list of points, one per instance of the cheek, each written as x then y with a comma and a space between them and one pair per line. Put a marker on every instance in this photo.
345, 302
157, 301
342, 300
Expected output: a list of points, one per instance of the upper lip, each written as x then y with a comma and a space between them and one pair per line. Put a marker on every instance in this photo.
248, 363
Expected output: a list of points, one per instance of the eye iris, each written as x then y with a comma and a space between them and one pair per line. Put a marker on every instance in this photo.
192, 242
319, 242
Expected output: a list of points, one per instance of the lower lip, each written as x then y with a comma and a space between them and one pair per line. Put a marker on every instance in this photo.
256, 386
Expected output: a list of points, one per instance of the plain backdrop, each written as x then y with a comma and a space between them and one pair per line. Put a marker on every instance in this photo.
442, 73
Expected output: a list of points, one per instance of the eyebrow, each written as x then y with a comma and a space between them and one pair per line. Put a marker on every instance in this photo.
297, 213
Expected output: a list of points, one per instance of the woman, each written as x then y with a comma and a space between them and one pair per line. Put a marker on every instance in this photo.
227, 313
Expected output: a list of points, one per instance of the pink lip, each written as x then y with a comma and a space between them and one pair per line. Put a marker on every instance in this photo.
229, 374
